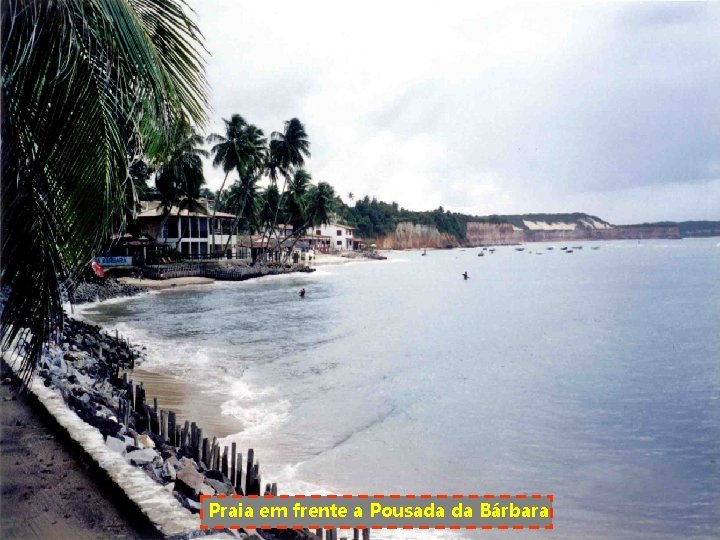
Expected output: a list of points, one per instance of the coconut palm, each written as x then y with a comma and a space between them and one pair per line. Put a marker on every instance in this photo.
85, 84
180, 179
296, 200
288, 151
243, 148
318, 205
244, 200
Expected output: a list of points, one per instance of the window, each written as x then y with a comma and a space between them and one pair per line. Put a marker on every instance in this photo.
184, 248
170, 229
339, 232
318, 232
203, 227
203, 247
339, 242
194, 228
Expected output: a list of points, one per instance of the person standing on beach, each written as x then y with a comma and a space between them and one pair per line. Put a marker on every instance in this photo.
302, 292
465, 276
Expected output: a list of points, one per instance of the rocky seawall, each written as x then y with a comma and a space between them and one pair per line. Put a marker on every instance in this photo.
106, 289
90, 370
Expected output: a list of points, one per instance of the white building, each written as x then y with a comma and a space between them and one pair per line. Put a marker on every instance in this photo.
332, 237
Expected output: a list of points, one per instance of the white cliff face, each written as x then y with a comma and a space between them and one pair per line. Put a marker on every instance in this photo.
409, 235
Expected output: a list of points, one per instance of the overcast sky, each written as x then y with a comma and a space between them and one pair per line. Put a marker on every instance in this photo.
610, 109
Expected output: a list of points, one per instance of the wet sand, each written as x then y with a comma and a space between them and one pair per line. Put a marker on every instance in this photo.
47, 492
189, 401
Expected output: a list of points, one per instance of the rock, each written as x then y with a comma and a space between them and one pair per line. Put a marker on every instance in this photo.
115, 444
187, 462
145, 441
192, 505
191, 482
220, 487
169, 471
142, 457
216, 475
170, 487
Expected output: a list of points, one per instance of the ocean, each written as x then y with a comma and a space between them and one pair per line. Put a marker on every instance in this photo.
594, 376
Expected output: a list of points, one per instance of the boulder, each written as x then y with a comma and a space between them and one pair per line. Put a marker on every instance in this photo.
142, 456
189, 481
115, 444
144, 441
220, 487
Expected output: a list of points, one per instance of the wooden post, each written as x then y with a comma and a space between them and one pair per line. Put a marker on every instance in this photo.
171, 428
238, 475
205, 451
356, 534
216, 458
319, 533
211, 457
366, 533
198, 440
273, 489
164, 425
225, 470
249, 471
233, 451
185, 434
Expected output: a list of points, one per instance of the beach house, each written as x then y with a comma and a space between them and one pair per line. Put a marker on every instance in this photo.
332, 237
196, 234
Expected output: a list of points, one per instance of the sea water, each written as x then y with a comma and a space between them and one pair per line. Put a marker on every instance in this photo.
592, 375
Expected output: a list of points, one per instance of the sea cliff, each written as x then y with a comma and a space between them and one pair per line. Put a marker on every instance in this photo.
408, 235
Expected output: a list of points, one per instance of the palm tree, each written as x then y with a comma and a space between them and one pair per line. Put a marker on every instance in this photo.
296, 201
85, 84
288, 151
243, 148
244, 200
319, 203
180, 179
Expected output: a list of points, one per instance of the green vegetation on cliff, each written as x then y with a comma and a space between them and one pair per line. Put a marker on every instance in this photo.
374, 218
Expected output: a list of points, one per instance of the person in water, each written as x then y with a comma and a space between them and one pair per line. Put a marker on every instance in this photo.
302, 292
465, 276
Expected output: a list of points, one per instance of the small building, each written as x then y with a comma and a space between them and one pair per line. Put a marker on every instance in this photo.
332, 237
191, 233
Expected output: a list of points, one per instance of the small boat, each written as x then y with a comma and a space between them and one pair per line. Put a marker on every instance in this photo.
492, 250
484, 249
569, 251
520, 249
563, 248
481, 254
550, 248
538, 253
595, 247
577, 247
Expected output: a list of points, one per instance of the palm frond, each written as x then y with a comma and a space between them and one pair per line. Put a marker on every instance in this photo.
85, 84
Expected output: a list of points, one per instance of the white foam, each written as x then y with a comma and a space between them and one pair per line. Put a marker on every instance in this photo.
260, 410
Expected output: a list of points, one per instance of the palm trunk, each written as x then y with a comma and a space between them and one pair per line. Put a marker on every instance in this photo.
237, 221
212, 223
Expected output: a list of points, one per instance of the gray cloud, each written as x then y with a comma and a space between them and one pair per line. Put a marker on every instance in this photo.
487, 110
